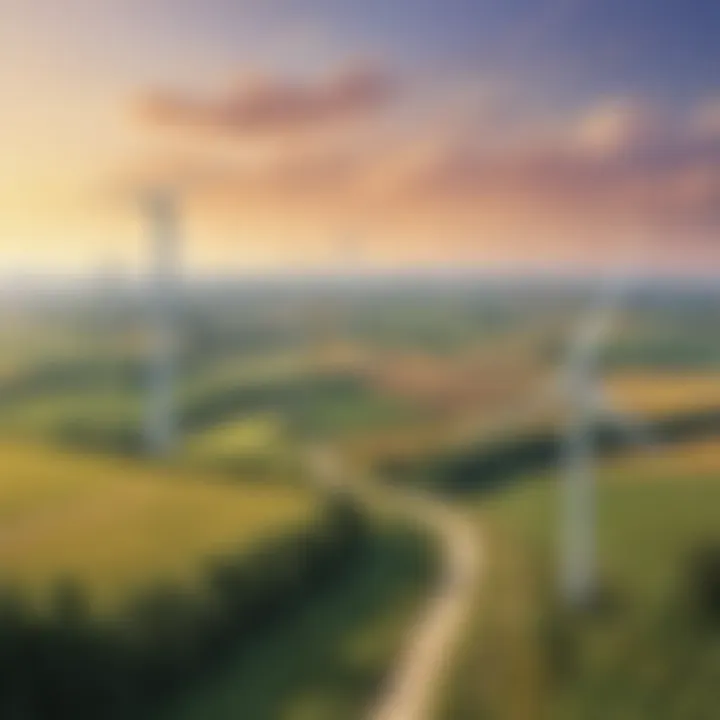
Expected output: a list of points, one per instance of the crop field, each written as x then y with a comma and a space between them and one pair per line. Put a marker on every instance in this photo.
664, 392
649, 655
398, 378
118, 527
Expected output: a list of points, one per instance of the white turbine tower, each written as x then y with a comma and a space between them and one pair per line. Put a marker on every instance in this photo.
579, 392
586, 406
161, 417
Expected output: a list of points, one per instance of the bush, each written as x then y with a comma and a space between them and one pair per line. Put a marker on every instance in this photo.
704, 581
68, 664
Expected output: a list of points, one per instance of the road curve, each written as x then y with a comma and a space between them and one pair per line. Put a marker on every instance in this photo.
415, 684
413, 689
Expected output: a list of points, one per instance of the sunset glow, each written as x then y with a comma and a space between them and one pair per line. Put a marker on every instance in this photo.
495, 134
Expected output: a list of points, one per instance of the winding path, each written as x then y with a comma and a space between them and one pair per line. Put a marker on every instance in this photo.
415, 683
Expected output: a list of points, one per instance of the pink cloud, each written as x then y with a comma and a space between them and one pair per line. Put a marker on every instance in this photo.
270, 105
614, 165
615, 161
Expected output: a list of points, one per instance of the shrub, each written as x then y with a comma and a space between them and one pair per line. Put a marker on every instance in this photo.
67, 663
704, 581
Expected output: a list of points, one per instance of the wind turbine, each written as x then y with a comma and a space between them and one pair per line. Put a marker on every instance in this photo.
161, 415
577, 389
586, 406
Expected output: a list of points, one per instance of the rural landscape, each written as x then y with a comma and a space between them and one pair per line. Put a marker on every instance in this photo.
360, 361
238, 577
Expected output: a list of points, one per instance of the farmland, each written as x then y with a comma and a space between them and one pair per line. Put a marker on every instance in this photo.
650, 655
360, 360
388, 380
117, 527
654, 393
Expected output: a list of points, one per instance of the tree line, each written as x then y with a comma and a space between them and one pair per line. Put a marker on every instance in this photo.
67, 662
490, 466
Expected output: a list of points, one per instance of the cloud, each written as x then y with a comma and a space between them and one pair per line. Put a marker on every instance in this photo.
617, 161
621, 125
565, 184
607, 164
706, 118
267, 105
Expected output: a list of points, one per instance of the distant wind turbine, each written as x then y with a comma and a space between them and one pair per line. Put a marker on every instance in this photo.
578, 390
161, 413
587, 405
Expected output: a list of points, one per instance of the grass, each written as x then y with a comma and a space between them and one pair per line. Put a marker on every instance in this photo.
329, 661
119, 526
649, 656
259, 434
40, 416
249, 410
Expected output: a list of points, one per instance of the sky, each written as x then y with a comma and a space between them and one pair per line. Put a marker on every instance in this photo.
389, 133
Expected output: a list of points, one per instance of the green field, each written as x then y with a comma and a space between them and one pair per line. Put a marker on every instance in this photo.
648, 655
388, 377
329, 661
121, 527
118, 526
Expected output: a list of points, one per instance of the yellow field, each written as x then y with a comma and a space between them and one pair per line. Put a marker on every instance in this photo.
647, 395
659, 393
118, 526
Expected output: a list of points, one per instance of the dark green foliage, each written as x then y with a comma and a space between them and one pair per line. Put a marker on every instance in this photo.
66, 663
310, 653
489, 467
122, 438
704, 581
78, 375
